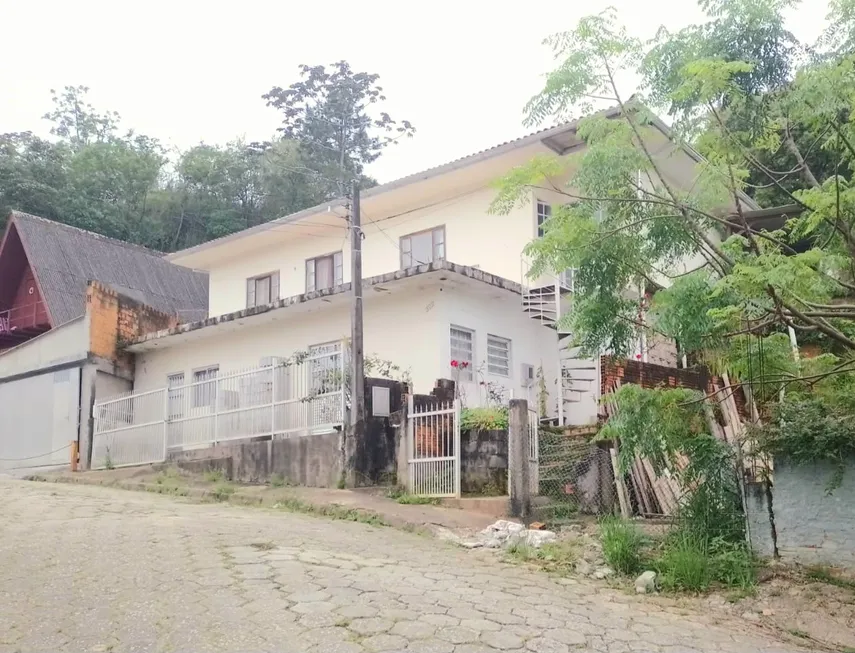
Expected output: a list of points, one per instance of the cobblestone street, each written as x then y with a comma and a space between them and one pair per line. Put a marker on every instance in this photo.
94, 569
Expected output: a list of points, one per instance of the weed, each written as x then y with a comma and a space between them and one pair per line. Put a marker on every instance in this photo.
742, 593
341, 484
277, 480
222, 492
108, 461
396, 491
685, 565
824, 575
214, 476
733, 564
332, 511
263, 546
556, 557
795, 632
622, 542
414, 499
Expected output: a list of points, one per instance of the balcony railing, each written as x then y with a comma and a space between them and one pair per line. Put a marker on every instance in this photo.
23, 317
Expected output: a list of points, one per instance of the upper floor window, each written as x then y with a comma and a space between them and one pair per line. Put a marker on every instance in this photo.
262, 290
324, 272
544, 212
423, 247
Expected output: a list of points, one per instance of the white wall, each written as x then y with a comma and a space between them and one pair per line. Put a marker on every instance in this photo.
65, 343
410, 329
473, 237
108, 385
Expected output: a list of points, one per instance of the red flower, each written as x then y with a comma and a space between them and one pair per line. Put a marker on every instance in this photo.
464, 364
454, 363
638, 356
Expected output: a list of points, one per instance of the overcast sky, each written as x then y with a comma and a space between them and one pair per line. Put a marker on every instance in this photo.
186, 72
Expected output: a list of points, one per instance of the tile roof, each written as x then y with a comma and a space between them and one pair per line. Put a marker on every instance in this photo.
65, 259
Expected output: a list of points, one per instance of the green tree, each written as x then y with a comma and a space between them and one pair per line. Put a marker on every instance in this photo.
333, 112
738, 90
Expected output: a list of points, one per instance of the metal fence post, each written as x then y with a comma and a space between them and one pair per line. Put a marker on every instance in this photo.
457, 453
272, 400
165, 422
519, 450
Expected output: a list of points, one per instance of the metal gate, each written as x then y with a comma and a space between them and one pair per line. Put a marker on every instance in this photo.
434, 448
534, 451
40, 416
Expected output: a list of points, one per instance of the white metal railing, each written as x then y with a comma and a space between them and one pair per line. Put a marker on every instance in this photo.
434, 448
303, 395
534, 450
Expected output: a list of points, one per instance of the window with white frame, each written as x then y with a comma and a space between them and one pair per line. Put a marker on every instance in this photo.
462, 353
205, 386
498, 355
324, 272
544, 212
423, 247
175, 383
262, 290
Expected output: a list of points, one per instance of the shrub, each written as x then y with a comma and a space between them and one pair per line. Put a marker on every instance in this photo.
488, 418
277, 480
214, 475
222, 492
414, 499
622, 542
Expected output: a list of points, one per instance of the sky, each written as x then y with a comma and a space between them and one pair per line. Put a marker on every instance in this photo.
187, 71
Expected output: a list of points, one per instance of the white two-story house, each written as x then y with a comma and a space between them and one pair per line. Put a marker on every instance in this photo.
446, 294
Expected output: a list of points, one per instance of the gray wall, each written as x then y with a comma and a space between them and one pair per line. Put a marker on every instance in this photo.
484, 462
312, 460
812, 525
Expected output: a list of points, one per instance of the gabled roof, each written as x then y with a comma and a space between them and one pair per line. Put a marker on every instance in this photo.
560, 139
64, 259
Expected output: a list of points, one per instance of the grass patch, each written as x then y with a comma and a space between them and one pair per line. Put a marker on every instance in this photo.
415, 500
742, 593
277, 480
332, 511
795, 632
822, 574
214, 476
692, 563
168, 481
622, 544
222, 492
558, 557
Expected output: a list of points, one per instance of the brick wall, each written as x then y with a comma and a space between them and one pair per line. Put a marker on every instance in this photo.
115, 319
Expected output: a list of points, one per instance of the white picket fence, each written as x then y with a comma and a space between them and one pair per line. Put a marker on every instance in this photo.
288, 398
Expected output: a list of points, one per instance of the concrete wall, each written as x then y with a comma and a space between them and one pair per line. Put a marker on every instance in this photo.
484, 462
313, 461
812, 525
759, 519
63, 344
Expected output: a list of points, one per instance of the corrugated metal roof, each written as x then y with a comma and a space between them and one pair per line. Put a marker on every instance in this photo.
65, 259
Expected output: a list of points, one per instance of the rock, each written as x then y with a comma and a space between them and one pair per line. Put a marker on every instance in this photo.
604, 572
472, 544
536, 526
646, 583
537, 539
583, 567
768, 612
751, 616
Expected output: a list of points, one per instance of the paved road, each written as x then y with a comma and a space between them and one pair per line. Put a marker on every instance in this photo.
96, 569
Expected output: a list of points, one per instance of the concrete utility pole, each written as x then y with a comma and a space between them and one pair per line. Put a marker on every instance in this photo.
357, 409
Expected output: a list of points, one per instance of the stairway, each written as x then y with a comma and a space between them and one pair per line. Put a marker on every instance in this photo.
545, 302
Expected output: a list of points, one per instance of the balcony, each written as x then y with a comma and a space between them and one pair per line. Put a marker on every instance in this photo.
22, 323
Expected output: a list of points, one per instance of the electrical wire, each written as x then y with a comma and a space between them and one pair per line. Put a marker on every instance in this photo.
41, 455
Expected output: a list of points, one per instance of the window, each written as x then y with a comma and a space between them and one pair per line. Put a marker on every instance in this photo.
205, 387
462, 349
262, 290
498, 355
324, 272
175, 383
544, 212
423, 247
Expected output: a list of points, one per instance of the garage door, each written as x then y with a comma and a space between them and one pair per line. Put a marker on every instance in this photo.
39, 418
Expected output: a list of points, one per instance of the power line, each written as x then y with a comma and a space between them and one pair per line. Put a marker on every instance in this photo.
41, 455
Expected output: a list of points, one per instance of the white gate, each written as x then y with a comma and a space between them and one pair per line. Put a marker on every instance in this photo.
534, 451
434, 448
130, 430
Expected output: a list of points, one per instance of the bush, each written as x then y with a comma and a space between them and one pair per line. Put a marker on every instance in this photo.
622, 542
277, 480
222, 492
489, 418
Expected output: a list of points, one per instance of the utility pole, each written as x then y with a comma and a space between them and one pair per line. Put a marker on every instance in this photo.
357, 409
